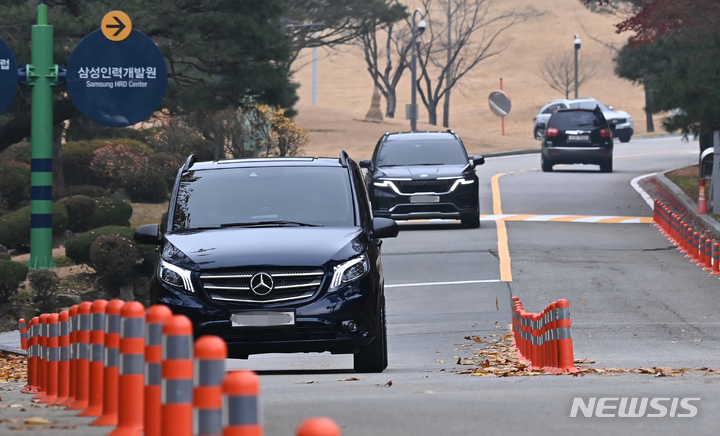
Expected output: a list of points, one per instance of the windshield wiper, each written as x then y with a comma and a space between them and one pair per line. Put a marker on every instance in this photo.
278, 223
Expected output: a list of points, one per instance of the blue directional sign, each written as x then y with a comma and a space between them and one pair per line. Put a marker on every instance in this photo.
116, 83
8, 76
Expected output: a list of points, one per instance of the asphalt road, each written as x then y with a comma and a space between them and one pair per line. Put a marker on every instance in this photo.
634, 302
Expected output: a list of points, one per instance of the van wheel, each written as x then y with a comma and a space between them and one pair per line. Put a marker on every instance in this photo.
373, 357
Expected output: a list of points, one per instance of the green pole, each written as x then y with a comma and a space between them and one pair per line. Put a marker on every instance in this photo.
42, 76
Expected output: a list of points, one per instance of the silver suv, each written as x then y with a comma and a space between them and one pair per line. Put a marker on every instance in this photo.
621, 122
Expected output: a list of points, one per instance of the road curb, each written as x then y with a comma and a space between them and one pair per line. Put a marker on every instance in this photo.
690, 206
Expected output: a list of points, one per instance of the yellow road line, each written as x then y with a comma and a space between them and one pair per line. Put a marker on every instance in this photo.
503, 248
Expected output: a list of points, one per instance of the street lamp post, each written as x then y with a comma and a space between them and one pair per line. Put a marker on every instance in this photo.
417, 30
577, 48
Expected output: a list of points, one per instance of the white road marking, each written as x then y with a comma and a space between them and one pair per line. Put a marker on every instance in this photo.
635, 183
466, 282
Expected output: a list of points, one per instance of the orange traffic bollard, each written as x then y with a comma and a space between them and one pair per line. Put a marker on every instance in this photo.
535, 343
74, 323
240, 393
32, 358
82, 367
97, 356
716, 259
566, 360
155, 317
42, 362
210, 355
131, 385
23, 334
318, 426
64, 362
111, 365
701, 250
708, 254
52, 359
177, 377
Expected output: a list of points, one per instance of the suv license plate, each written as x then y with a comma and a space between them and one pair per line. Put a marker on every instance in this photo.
262, 319
578, 137
425, 199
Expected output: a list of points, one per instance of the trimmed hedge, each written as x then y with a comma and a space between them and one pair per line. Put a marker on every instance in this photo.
146, 186
12, 274
77, 156
89, 190
80, 212
78, 248
110, 211
15, 184
15, 226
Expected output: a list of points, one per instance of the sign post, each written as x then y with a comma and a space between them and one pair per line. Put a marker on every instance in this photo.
8, 76
500, 104
42, 75
716, 173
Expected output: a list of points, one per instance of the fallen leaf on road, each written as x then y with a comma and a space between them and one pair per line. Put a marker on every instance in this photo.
350, 379
37, 420
387, 385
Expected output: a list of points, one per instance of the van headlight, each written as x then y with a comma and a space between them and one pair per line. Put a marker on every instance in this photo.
349, 272
175, 276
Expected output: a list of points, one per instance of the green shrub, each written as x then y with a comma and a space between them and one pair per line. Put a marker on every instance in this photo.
110, 211
145, 186
114, 257
15, 184
12, 274
44, 283
76, 158
89, 190
78, 248
167, 165
80, 212
15, 226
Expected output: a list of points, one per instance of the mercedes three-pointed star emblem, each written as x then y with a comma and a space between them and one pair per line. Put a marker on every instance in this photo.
262, 283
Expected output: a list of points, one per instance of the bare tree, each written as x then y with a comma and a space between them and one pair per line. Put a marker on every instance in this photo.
450, 54
390, 45
558, 71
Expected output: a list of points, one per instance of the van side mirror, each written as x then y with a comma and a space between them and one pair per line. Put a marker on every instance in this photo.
478, 160
384, 228
148, 234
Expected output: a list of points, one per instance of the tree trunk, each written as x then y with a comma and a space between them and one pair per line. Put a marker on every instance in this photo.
446, 109
390, 103
432, 113
648, 108
705, 138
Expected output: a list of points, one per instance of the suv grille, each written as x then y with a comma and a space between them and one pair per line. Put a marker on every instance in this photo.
415, 186
302, 331
293, 283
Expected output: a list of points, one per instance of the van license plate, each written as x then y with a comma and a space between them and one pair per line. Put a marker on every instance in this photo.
578, 137
425, 199
262, 318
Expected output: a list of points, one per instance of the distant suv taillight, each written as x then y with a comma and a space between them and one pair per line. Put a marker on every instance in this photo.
605, 133
552, 131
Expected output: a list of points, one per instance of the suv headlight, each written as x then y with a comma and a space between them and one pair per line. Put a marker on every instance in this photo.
349, 271
175, 276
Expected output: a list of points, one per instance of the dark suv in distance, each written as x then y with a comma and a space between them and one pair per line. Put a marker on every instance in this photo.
577, 136
424, 175
275, 255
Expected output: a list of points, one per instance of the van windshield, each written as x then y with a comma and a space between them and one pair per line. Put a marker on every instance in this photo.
316, 196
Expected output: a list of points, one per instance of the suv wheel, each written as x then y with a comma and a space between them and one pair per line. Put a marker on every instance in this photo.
624, 138
606, 167
471, 220
373, 357
545, 164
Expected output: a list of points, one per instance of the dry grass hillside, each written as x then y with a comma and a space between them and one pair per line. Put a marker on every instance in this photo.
345, 86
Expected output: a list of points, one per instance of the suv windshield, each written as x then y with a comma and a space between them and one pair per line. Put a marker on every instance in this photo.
421, 152
574, 119
283, 196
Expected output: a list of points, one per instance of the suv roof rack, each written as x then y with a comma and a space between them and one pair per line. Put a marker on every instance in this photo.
344, 158
189, 162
